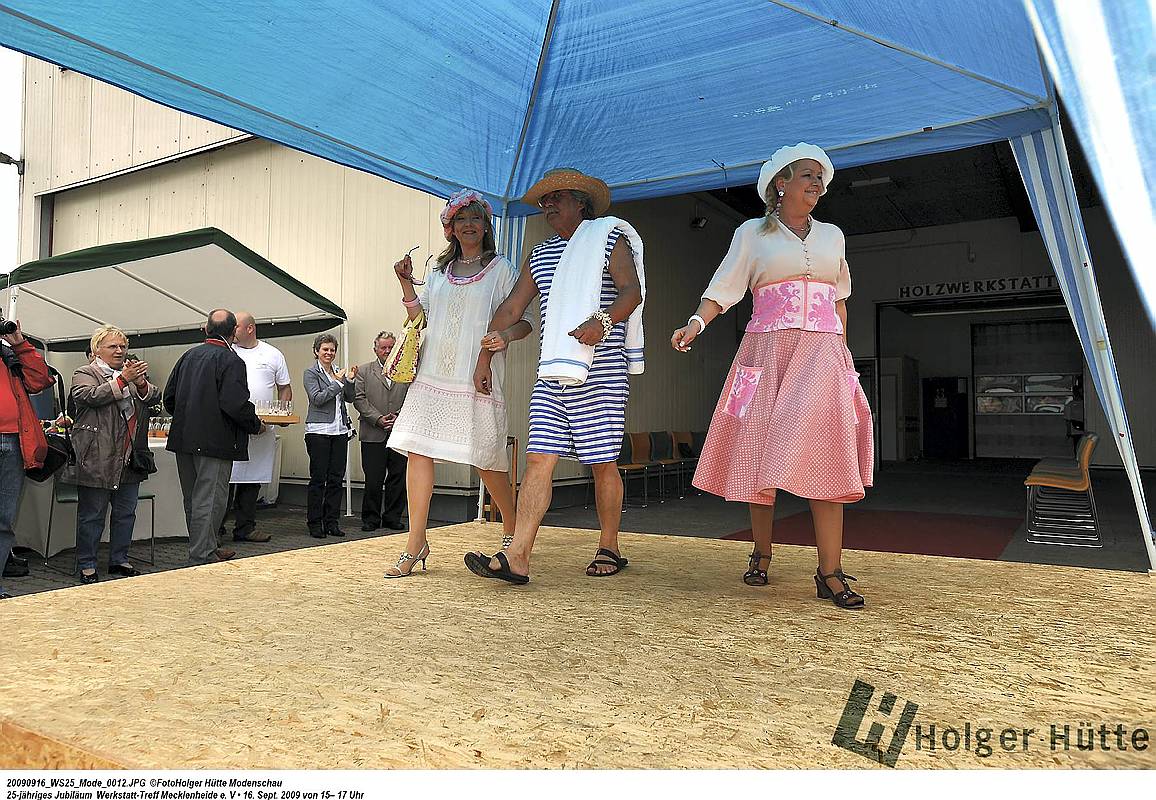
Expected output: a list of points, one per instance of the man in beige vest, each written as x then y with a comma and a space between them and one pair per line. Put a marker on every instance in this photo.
378, 400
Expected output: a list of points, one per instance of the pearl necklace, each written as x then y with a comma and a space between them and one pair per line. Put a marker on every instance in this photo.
801, 232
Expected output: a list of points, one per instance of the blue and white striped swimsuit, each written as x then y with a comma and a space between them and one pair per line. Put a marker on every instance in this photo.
586, 422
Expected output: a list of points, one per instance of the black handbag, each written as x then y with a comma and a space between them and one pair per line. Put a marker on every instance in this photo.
60, 450
143, 461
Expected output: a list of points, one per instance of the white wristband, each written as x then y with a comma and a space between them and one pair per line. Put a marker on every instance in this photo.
701, 322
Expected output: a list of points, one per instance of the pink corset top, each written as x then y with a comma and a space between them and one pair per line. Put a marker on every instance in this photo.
798, 303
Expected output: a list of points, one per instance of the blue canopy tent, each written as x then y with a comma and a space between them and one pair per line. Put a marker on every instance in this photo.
657, 97
1103, 56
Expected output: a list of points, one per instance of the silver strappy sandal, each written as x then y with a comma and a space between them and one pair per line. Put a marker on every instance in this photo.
411, 560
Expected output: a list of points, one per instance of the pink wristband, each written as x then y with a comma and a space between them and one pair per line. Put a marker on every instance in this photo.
414, 303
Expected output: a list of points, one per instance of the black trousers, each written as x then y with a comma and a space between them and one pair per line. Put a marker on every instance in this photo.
243, 502
384, 470
326, 474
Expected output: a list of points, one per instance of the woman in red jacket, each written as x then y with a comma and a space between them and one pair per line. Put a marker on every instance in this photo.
22, 442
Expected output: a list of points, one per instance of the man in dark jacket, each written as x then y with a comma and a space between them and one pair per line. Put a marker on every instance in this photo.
22, 443
208, 395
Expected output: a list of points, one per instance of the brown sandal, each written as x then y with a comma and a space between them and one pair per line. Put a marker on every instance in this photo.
848, 598
755, 576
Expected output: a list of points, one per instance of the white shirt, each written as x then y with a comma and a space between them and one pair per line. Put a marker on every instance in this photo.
756, 259
338, 426
266, 369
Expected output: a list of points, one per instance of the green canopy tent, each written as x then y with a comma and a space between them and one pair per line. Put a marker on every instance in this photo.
159, 291
170, 283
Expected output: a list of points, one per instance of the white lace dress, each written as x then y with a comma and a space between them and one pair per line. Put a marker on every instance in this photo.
443, 416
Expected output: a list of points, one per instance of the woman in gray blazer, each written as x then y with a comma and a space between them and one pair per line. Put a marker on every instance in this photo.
327, 435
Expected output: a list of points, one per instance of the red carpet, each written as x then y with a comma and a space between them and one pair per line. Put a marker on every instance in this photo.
955, 535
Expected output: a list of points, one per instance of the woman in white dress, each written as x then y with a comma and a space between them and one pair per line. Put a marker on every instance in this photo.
444, 418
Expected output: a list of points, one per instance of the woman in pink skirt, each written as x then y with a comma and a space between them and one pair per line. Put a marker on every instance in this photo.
792, 415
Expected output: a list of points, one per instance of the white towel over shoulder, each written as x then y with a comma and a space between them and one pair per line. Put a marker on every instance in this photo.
575, 294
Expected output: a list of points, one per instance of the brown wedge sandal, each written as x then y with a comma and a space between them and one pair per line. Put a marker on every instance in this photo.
755, 576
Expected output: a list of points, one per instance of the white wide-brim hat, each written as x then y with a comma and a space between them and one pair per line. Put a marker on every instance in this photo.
789, 155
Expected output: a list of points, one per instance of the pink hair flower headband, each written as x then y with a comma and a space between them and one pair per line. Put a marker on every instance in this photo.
459, 200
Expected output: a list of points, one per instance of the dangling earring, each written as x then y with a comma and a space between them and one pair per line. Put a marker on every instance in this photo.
780, 192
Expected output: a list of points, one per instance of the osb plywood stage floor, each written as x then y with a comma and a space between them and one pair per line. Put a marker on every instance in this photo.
308, 659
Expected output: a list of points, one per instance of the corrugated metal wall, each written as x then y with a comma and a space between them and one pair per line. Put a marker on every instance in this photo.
78, 129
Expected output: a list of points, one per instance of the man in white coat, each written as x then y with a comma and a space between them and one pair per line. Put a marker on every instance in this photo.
268, 380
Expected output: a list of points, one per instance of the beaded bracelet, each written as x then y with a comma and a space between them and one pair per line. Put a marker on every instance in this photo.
607, 323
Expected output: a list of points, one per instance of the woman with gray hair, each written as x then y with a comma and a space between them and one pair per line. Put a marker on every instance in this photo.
327, 435
110, 437
792, 415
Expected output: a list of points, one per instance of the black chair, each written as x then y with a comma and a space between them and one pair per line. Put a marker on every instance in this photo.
635, 460
1061, 508
663, 454
66, 494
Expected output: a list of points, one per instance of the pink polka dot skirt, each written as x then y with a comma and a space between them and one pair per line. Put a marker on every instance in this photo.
791, 416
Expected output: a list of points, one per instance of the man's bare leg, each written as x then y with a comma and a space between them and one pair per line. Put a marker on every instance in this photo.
608, 498
533, 501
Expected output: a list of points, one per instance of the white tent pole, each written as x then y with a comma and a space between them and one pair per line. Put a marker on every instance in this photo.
1067, 234
481, 500
504, 234
63, 306
203, 312
12, 296
504, 249
348, 455
1102, 348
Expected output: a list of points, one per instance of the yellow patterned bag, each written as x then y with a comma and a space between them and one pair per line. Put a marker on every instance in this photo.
402, 364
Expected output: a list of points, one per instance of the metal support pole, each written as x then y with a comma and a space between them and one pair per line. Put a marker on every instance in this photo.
348, 455
481, 500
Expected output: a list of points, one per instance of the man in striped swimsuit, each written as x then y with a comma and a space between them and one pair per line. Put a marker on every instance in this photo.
584, 422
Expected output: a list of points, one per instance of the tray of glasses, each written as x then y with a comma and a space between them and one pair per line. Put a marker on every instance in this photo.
276, 412
279, 419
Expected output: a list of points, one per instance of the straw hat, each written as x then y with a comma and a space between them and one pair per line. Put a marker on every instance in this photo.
570, 178
789, 155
